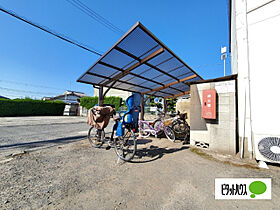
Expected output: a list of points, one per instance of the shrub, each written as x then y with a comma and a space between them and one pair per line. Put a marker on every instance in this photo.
29, 107
89, 102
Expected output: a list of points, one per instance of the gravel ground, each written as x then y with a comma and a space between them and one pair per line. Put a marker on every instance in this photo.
73, 175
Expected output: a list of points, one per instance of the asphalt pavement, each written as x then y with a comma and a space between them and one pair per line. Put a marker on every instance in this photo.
24, 134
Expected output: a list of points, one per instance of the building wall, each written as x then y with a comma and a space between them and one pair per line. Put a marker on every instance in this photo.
183, 105
68, 99
255, 43
219, 134
114, 92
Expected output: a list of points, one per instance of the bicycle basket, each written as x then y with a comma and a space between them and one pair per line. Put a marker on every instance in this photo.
168, 122
99, 117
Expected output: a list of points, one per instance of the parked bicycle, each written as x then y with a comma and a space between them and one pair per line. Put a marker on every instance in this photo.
146, 129
124, 145
157, 122
181, 127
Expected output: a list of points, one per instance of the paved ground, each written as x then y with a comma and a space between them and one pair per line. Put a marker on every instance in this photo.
62, 171
30, 133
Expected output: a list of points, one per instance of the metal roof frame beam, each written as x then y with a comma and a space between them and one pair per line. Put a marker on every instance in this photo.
148, 64
105, 77
139, 63
170, 84
177, 95
135, 75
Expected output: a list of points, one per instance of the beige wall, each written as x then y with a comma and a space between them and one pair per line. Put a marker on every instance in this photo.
219, 134
114, 92
183, 105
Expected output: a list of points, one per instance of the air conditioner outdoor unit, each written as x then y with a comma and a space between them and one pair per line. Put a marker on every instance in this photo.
268, 149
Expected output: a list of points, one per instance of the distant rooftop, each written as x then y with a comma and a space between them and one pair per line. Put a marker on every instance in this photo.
4, 97
70, 92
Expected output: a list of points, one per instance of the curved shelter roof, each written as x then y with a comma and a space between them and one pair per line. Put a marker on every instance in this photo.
139, 62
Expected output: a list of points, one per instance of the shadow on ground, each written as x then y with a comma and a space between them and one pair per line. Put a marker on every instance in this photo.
53, 142
145, 155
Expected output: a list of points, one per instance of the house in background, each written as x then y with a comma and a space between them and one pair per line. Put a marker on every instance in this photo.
70, 97
72, 100
3, 97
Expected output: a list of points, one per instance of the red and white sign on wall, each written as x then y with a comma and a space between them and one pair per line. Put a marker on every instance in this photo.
209, 104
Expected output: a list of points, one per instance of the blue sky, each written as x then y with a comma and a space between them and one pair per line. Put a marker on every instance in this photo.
36, 64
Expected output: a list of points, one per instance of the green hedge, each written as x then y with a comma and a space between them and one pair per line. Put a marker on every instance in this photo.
29, 107
89, 102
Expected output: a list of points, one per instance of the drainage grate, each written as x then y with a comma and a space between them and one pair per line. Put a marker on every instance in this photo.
202, 144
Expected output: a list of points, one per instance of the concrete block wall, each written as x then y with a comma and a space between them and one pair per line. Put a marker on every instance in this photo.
219, 134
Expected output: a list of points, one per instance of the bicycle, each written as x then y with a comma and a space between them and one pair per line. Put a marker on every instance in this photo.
146, 129
125, 145
180, 126
157, 122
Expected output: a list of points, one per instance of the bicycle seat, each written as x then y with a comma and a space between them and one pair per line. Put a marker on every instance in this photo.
129, 117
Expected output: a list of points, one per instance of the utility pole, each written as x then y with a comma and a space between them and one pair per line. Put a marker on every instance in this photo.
223, 57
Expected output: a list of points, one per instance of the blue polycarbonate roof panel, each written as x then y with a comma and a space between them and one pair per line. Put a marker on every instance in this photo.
139, 62
139, 70
171, 91
137, 42
92, 78
127, 78
164, 78
180, 71
152, 85
122, 85
165, 56
137, 80
151, 73
160, 94
117, 59
179, 86
103, 70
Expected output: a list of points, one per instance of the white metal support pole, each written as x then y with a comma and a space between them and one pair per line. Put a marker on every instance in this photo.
223, 57
224, 67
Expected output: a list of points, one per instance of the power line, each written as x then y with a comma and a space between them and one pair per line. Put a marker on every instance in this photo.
32, 85
24, 91
60, 36
18, 96
94, 15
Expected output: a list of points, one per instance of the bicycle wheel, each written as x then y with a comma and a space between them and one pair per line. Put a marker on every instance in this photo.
156, 124
142, 132
125, 146
169, 133
180, 127
187, 136
95, 137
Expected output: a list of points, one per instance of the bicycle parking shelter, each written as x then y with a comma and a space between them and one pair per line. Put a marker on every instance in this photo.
139, 62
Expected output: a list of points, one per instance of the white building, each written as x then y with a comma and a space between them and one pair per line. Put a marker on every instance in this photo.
70, 97
114, 92
255, 41
72, 100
